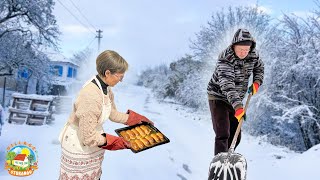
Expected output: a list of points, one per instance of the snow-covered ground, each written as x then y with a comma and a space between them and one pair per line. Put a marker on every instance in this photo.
186, 157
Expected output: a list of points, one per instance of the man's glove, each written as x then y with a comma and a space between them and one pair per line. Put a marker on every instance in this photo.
240, 114
135, 118
253, 89
114, 143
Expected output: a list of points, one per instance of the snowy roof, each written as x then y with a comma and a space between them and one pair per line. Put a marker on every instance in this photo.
57, 57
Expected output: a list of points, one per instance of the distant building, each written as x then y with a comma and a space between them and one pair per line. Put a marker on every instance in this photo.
64, 74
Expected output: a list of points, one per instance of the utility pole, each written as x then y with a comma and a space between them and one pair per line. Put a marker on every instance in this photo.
99, 36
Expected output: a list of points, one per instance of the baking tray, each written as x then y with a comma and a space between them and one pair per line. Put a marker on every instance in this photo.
153, 128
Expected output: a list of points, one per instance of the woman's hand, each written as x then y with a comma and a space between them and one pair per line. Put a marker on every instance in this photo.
115, 143
135, 118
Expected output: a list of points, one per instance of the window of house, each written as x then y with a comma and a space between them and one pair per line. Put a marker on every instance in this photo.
74, 72
70, 72
57, 70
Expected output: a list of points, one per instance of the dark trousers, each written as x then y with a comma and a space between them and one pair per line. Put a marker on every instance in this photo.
224, 125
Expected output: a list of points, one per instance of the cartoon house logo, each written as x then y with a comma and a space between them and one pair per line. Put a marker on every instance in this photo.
21, 159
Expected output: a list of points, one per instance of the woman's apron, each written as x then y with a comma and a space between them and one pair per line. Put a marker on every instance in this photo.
77, 160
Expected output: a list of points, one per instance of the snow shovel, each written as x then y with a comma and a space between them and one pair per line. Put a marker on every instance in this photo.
230, 165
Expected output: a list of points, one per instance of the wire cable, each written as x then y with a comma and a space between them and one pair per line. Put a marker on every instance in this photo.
89, 44
82, 14
76, 18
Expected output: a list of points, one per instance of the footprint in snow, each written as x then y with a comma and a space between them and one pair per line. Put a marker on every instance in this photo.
186, 168
181, 176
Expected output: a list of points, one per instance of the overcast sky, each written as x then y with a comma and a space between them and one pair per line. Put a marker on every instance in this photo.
148, 32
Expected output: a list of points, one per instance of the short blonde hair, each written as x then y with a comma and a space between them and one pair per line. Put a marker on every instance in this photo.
112, 61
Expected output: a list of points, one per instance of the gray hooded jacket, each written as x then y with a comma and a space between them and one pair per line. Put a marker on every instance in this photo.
229, 81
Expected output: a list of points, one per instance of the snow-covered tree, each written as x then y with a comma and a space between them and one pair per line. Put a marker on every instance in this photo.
180, 81
20, 56
32, 19
218, 33
82, 56
25, 27
288, 112
186, 82
156, 78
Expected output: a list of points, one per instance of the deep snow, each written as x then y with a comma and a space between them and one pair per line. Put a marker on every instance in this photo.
186, 157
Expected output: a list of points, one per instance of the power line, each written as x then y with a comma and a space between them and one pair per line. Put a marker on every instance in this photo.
76, 17
82, 14
89, 44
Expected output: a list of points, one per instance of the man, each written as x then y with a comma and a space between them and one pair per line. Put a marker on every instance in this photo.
229, 84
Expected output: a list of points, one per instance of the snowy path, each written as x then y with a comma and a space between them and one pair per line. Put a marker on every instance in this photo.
186, 157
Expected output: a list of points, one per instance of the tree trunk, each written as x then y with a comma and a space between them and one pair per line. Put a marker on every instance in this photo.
4, 92
37, 87
306, 139
26, 87
315, 132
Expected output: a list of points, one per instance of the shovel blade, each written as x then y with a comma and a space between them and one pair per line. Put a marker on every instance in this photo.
224, 168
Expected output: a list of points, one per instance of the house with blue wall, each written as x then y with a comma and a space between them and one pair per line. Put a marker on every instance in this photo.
63, 76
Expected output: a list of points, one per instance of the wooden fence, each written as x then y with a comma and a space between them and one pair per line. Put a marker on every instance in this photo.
31, 109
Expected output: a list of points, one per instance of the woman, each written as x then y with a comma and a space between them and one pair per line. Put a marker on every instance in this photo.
83, 140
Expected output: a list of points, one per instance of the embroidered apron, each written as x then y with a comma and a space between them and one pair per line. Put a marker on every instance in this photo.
77, 160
